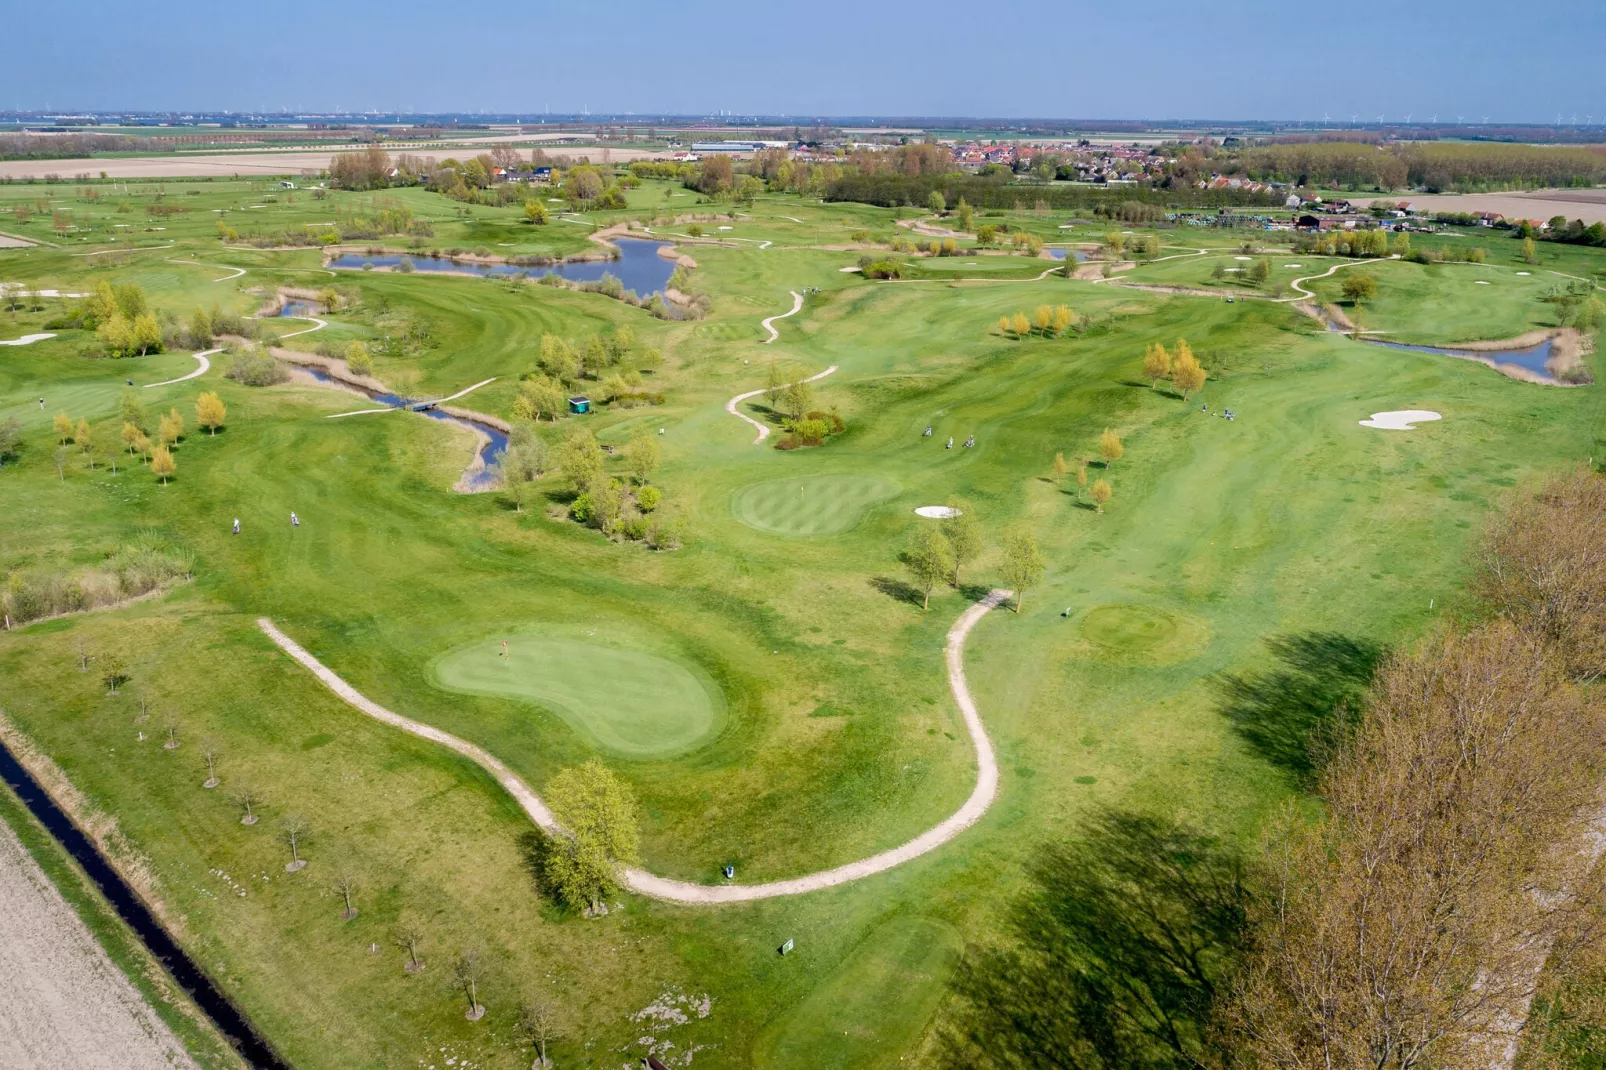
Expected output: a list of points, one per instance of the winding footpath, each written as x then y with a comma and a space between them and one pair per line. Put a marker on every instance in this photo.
648, 884
769, 324
27, 340
205, 366
238, 271
763, 430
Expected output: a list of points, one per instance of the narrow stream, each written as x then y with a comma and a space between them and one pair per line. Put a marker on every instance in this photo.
183, 969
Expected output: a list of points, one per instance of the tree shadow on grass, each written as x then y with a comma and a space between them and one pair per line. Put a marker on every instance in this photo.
1293, 714
1115, 954
898, 590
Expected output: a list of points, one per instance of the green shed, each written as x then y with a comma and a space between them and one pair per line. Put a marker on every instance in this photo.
580, 405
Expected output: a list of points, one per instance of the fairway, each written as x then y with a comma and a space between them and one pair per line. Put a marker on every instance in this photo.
811, 505
1128, 632
632, 703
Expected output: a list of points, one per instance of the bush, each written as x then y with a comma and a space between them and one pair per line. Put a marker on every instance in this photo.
635, 529
883, 269
256, 367
647, 498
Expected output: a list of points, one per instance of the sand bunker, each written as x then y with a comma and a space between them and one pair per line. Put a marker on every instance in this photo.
1243, 258
1293, 265
27, 339
1480, 282
1525, 273
1400, 419
937, 512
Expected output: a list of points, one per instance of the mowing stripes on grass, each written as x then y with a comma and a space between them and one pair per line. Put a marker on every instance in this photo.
628, 702
810, 505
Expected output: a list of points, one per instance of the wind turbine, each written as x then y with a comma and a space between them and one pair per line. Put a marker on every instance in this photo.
1407, 117
1352, 117
1458, 119
1435, 119
1485, 120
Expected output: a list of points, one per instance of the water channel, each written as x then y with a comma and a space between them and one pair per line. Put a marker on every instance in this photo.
638, 268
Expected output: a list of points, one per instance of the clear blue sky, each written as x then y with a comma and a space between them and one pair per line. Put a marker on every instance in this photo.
1156, 59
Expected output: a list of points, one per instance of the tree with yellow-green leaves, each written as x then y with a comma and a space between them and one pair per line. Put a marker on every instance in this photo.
1081, 479
62, 425
1004, 326
162, 463
1043, 319
600, 813
1187, 375
1023, 564
1156, 364
210, 412
131, 435
1020, 325
1061, 468
81, 435
1110, 447
170, 429
358, 360
1101, 493
1063, 319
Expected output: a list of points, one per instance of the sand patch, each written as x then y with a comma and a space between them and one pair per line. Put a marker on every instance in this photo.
1400, 419
937, 512
27, 340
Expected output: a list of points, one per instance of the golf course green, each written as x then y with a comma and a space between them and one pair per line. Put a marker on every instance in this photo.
627, 702
811, 505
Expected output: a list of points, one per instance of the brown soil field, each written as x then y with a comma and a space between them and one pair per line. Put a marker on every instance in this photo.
1586, 204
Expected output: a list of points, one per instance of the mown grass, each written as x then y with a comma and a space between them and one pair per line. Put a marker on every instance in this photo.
841, 738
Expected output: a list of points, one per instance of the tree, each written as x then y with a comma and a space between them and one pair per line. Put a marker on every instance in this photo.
642, 455
410, 934
1259, 271
293, 830
580, 459
1359, 287
211, 754
113, 672
1115, 242
63, 426
1023, 563
534, 212
346, 887
467, 972
538, 396
967, 215
1061, 468
1063, 319
797, 396
937, 203
538, 1025
162, 463
171, 428
133, 410
1081, 479
930, 560
80, 434
1156, 364
522, 463
10, 438
131, 436
600, 813
329, 298
210, 412
60, 457
1100, 492
1110, 447
145, 336
1401, 246
1186, 374
358, 359
963, 533
1042, 319
1020, 325
247, 800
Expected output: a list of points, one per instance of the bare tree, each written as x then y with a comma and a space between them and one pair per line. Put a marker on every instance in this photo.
346, 885
539, 1027
293, 829
210, 753
171, 729
467, 972
409, 934
247, 800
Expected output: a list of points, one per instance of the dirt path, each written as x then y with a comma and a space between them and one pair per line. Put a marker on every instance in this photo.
644, 883
62, 1001
769, 324
763, 430
238, 271
205, 365
27, 340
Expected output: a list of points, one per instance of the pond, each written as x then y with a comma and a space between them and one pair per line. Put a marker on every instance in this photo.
639, 266
1059, 254
295, 309
494, 447
1534, 359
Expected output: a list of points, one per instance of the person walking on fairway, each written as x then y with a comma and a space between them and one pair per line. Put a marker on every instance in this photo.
236, 525
504, 650
295, 521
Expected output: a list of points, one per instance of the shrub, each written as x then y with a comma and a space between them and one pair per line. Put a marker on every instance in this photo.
647, 498
883, 269
256, 367
635, 529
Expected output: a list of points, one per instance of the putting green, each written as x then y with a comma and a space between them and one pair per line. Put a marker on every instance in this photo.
627, 701
1127, 632
810, 505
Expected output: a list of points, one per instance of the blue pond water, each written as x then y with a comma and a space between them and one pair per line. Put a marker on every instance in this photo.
1059, 254
1534, 358
639, 266
299, 309
494, 448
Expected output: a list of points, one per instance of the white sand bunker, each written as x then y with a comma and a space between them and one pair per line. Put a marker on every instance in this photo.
1480, 282
1243, 258
937, 512
27, 339
1401, 419
1293, 265
1525, 273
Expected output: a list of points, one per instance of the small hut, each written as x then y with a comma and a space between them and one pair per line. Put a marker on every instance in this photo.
580, 405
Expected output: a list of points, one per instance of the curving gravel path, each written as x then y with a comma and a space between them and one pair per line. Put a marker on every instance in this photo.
763, 431
27, 340
769, 324
201, 359
644, 883
238, 271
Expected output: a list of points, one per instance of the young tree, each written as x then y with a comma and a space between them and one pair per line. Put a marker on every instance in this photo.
247, 800
293, 830
171, 728
81, 434
600, 813
210, 412
358, 360
346, 887
963, 533
580, 459
162, 463
211, 754
521, 464
1259, 271
1061, 468
1063, 319
1110, 447
539, 396
133, 411
1530, 252
1023, 563
1156, 364
131, 436
967, 215
171, 428
1359, 287
10, 438
538, 1025
642, 455
1101, 493
1186, 374
774, 384
1020, 325
1081, 479
145, 335
1005, 326
1042, 319
63, 426
60, 457
409, 935
797, 397
930, 560
467, 971
113, 672
937, 203
534, 211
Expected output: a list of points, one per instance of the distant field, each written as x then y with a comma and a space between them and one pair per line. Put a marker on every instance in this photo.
1588, 205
